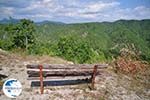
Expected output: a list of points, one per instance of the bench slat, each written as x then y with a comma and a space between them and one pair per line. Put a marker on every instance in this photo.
67, 66
60, 82
58, 78
60, 73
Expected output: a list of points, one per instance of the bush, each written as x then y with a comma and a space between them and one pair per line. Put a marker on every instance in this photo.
6, 44
77, 50
23, 37
41, 49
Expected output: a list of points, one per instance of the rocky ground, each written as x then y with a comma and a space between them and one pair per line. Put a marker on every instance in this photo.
109, 85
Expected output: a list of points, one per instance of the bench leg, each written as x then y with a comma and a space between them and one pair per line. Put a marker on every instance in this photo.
93, 76
41, 79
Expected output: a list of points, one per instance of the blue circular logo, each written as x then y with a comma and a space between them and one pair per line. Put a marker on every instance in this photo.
12, 88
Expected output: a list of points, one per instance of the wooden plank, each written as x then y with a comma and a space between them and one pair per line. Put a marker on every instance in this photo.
58, 78
61, 73
47, 70
60, 82
67, 66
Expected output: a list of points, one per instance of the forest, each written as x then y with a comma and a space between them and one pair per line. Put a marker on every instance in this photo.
91, 42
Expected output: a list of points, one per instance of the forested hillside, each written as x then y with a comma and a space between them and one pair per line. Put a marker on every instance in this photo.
81, 42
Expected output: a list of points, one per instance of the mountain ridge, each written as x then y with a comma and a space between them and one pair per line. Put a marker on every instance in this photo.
14, 20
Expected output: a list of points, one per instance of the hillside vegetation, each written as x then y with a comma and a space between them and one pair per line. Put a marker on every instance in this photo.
81, 42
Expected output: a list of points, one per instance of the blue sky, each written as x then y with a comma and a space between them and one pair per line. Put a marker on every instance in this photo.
74, 11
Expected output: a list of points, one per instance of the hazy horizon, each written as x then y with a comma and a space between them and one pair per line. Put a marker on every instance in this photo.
72, 22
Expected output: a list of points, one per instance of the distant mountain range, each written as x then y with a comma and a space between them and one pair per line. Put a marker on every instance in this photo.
10, 20
49, 22
13, 20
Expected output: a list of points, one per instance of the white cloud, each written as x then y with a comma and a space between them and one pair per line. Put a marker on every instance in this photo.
7, 10
86, 10
141, 10
99, 6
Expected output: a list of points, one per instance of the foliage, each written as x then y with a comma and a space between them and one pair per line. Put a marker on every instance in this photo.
18, 35
24, 34
6, 36
41, 49
81, 43
70, 47
105, 37
74, 49
129, 63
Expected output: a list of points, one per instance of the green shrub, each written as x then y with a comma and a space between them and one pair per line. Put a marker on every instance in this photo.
77, 50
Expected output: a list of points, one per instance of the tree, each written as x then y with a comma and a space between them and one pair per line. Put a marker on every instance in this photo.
24, 35
74, 49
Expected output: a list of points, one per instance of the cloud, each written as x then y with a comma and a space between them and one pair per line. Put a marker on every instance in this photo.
71, 10
142, 11
139, 12
6, 12
14, 3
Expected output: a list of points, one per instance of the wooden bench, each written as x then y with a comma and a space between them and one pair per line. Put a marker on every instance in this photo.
59, 73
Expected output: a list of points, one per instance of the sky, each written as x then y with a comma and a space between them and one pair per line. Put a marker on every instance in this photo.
75, 11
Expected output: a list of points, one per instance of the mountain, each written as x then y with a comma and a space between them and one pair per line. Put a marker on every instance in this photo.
105, 38
49, 22
103, 35
8, 21
13, 20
